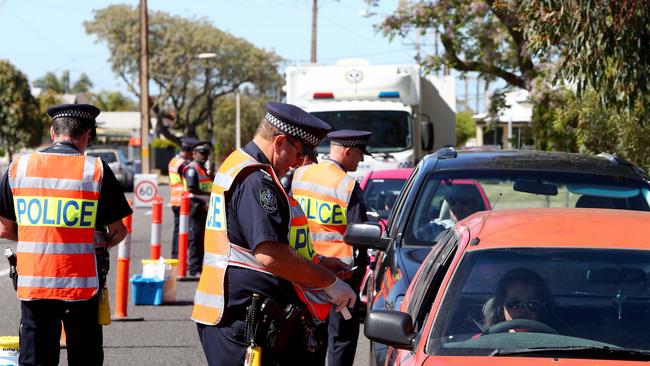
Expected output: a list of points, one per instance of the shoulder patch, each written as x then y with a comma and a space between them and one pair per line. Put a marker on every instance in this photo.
268, 200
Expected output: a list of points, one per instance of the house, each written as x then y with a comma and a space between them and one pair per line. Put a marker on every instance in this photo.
512, 124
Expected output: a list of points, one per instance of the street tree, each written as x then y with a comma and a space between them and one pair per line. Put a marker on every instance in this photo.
599, 44
61, 85
113, 101
21, 124
186, 84
477, 36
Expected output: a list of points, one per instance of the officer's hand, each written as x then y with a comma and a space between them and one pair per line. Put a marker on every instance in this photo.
334, 264
341, 294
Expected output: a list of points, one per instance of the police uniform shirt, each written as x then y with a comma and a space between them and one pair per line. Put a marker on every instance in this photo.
191, 177
257, 212
112, 205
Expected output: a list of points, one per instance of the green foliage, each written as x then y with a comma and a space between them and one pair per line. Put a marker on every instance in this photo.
465, 127
61, 85
185, 82
158, 143
113, 102
477, 36
600, 44
22, 124
252, 109
554, 121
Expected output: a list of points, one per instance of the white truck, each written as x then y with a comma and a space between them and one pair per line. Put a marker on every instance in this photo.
409, 115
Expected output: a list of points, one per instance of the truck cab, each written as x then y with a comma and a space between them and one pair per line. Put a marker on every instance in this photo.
409, 115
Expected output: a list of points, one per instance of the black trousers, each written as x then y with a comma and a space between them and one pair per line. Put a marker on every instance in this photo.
342, 336
177, 211
225, 344
40, 332
195, 240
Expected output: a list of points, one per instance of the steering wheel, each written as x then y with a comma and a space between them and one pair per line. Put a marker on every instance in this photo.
528, 324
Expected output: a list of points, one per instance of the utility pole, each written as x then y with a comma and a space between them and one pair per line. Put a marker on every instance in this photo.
144, 88
314, 19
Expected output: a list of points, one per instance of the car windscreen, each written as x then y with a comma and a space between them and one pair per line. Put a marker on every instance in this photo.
108, 157
449, 196
391, 130
519, 300
380, 195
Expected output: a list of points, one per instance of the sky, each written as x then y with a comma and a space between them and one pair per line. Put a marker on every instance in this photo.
40, 36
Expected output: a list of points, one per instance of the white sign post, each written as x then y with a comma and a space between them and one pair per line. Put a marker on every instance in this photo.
145, 188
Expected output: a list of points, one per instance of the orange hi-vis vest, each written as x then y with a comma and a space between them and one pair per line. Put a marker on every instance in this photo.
56, 210
324, 190
175, 180
205, 182
220, 253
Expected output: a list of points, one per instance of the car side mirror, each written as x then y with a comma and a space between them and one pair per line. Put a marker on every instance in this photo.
393, 328
426, 129
365, 236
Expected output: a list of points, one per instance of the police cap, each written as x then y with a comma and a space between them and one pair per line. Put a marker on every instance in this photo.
351, 138
203, 147
84, 112
188, 143
295, 122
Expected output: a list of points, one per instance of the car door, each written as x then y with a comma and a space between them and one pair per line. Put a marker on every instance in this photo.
423, 291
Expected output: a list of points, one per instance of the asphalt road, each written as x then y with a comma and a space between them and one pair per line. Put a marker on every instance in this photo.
166, 336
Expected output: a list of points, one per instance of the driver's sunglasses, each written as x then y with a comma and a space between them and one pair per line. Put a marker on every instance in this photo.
532, 305
301, 153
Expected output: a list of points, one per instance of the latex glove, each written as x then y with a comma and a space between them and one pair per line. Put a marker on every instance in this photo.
341, 294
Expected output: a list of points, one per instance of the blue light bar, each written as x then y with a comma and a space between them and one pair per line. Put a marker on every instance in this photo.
389, 94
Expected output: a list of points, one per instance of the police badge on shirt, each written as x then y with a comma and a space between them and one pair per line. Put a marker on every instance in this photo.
268, 200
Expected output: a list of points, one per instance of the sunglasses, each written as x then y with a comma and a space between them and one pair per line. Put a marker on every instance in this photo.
531, 305
301, 153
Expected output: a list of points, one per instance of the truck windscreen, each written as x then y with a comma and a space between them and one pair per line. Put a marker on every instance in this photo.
391, 130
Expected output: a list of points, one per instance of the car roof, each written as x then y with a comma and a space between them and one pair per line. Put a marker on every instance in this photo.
558, 227
449, 159
402, 173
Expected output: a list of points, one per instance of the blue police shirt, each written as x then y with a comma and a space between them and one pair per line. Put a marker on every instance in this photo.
112, 205
257, 212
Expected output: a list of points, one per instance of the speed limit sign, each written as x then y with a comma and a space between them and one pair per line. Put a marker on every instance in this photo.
145, 187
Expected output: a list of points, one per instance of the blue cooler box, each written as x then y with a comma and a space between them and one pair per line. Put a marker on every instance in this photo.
146, 291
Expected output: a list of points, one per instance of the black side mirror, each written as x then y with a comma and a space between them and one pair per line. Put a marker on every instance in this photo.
426, 129
390, 327
365, 236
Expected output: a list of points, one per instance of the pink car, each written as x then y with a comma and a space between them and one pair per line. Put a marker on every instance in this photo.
380, 190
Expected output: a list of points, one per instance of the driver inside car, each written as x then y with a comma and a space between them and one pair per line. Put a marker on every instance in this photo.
520, 294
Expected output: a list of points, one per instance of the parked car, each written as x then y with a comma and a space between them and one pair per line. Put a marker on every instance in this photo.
432, 200
119, 164
525, 287
380, 190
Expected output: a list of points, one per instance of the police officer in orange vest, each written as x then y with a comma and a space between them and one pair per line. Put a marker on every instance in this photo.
54, 203
197, 183
258, 251
176, 188
331, 200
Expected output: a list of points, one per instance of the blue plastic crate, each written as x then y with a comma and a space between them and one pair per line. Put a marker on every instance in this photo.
146, 291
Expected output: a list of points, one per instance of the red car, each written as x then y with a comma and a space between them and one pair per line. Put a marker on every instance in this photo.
526, 287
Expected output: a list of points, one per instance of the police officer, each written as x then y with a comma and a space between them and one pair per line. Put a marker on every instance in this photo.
176, 189
257, 242
332, 199
197, 183
52, 202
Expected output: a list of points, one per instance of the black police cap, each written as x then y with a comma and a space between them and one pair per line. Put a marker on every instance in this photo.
84, 112
351, 138
188, 143
295, 122
203, 147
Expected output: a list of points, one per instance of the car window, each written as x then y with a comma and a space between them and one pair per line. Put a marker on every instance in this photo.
107, 156
448, 197
555, 297
425, 287
380, 195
